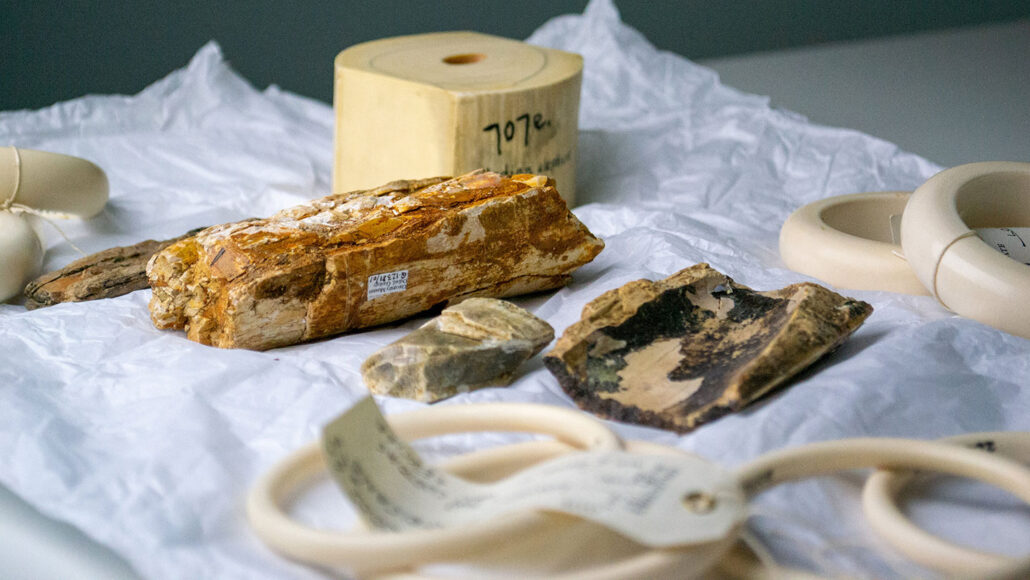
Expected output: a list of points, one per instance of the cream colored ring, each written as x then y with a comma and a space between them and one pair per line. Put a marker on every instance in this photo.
887, 520
653, 564
846, 241
21, 254
828, 457
366, 551
964, 273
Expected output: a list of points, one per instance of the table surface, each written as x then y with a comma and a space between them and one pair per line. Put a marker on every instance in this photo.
954, 97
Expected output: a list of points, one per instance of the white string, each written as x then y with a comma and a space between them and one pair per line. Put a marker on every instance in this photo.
10, 206
762, 553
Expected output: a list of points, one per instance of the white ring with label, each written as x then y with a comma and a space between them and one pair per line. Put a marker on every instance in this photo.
385, 550
537, 543
396, 552
587, 552
887, 520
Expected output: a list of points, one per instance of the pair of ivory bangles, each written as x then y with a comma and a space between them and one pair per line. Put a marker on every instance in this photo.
48, 185
848, 241
514, 542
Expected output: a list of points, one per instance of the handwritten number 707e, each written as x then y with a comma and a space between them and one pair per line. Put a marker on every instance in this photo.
510, 129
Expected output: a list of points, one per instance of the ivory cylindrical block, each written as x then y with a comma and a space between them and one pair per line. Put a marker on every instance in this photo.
452, 102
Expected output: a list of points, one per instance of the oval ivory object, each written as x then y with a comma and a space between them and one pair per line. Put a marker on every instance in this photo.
52, 182
447, 103
964, 273
846, 241
21, 254
885, 517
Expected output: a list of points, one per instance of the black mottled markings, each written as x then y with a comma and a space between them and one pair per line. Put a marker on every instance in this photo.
669, 315
748, 305
987, 446
709, 353
717, 355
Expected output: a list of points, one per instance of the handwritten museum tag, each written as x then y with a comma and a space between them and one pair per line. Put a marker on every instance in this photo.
657, 500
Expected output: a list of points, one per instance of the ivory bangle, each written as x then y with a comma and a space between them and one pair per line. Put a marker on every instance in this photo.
887, 520
846, 241
651, 563
21, 254
367, 551
964, 273
523, 540
885, 453
51, 182
828, 457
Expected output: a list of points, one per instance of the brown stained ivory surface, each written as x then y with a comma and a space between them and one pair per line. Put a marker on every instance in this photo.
695, 346
477, 343
365, 258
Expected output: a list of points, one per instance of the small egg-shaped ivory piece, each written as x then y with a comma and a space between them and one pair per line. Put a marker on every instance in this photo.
21, 254
52, 182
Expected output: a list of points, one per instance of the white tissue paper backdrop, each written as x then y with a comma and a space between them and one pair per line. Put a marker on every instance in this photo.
148, 442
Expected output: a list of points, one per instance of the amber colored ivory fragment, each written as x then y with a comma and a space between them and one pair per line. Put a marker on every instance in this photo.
368, 257
695, 346
447, 103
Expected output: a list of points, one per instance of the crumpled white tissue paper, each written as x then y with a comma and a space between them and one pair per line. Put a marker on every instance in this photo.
148, 442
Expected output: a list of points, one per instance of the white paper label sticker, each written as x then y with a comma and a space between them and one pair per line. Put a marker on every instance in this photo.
1009, 241
388, 283
657, 500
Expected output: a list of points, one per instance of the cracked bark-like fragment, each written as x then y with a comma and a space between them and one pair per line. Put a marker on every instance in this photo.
107, 274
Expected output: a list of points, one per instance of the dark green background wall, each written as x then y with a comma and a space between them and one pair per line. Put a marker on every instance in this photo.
52, 51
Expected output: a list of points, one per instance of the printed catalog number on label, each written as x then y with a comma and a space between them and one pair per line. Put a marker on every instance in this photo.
387, 283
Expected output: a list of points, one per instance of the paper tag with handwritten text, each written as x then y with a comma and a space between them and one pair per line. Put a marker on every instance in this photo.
657, 500
1013, 242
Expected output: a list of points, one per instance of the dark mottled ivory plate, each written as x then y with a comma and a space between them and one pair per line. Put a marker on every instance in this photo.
695, 346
